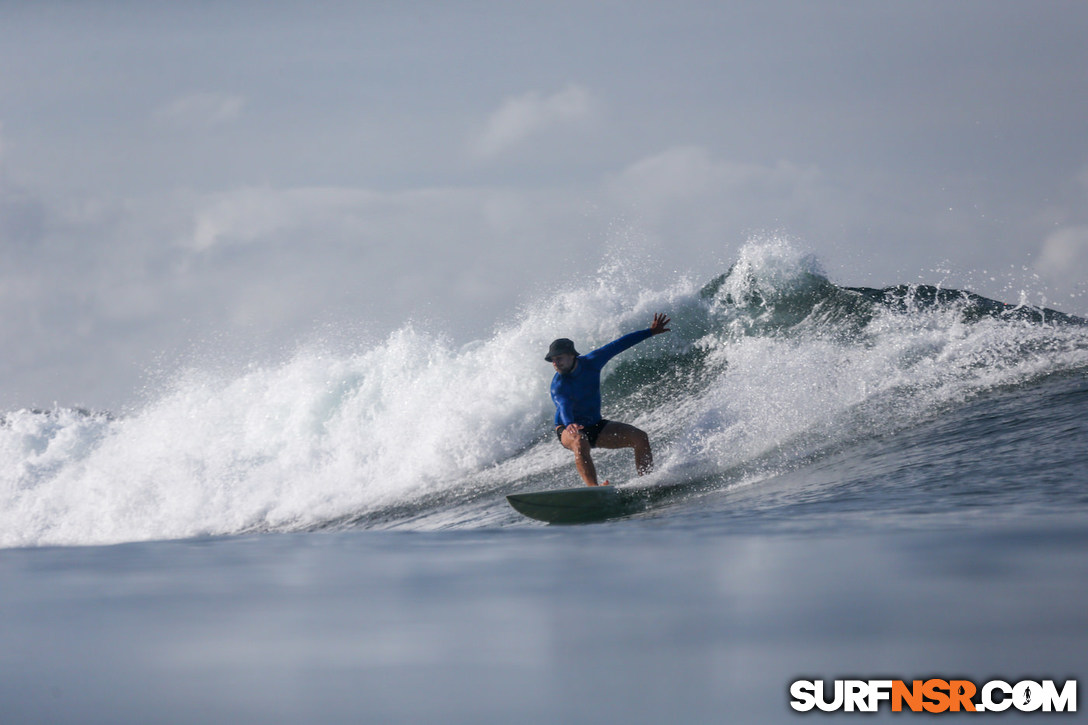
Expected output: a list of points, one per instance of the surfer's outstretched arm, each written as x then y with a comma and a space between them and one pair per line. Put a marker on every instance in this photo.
605, 353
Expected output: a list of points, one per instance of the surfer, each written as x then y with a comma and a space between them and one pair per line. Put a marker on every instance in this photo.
576, 392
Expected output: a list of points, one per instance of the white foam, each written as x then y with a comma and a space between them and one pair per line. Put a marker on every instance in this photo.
319, 437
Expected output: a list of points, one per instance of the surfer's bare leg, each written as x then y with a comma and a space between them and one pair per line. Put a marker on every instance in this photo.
621, 435
573, 439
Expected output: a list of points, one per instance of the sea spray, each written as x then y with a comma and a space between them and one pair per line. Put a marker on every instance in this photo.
322, 437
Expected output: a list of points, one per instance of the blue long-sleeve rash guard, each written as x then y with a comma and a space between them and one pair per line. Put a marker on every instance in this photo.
577, 395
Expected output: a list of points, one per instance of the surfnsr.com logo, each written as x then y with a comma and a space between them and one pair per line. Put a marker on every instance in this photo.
933, 695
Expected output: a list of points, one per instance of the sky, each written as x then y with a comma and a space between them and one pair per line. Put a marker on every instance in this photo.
187, 183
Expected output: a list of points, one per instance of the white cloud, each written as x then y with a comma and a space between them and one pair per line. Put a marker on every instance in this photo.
531, 114
202, 110
263, 215
686, 182
1064, 255
449, 244
244, 216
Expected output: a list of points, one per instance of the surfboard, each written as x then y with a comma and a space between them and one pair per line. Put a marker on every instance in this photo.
584, 504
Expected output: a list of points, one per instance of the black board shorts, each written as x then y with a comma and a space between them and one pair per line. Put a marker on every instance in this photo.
590, 431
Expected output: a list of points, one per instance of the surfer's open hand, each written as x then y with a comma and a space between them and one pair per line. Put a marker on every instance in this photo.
660, 324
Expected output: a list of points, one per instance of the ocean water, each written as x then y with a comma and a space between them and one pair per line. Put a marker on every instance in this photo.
875, 484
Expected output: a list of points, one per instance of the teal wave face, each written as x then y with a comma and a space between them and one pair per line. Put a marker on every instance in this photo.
972, 307
747, 303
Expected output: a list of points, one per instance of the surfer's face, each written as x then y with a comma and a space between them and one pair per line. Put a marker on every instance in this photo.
563, 363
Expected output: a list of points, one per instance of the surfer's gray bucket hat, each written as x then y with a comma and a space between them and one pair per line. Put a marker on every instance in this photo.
562, 346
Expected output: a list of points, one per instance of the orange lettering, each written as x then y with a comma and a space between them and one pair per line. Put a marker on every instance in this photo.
932, 689
912, 695
961, 692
